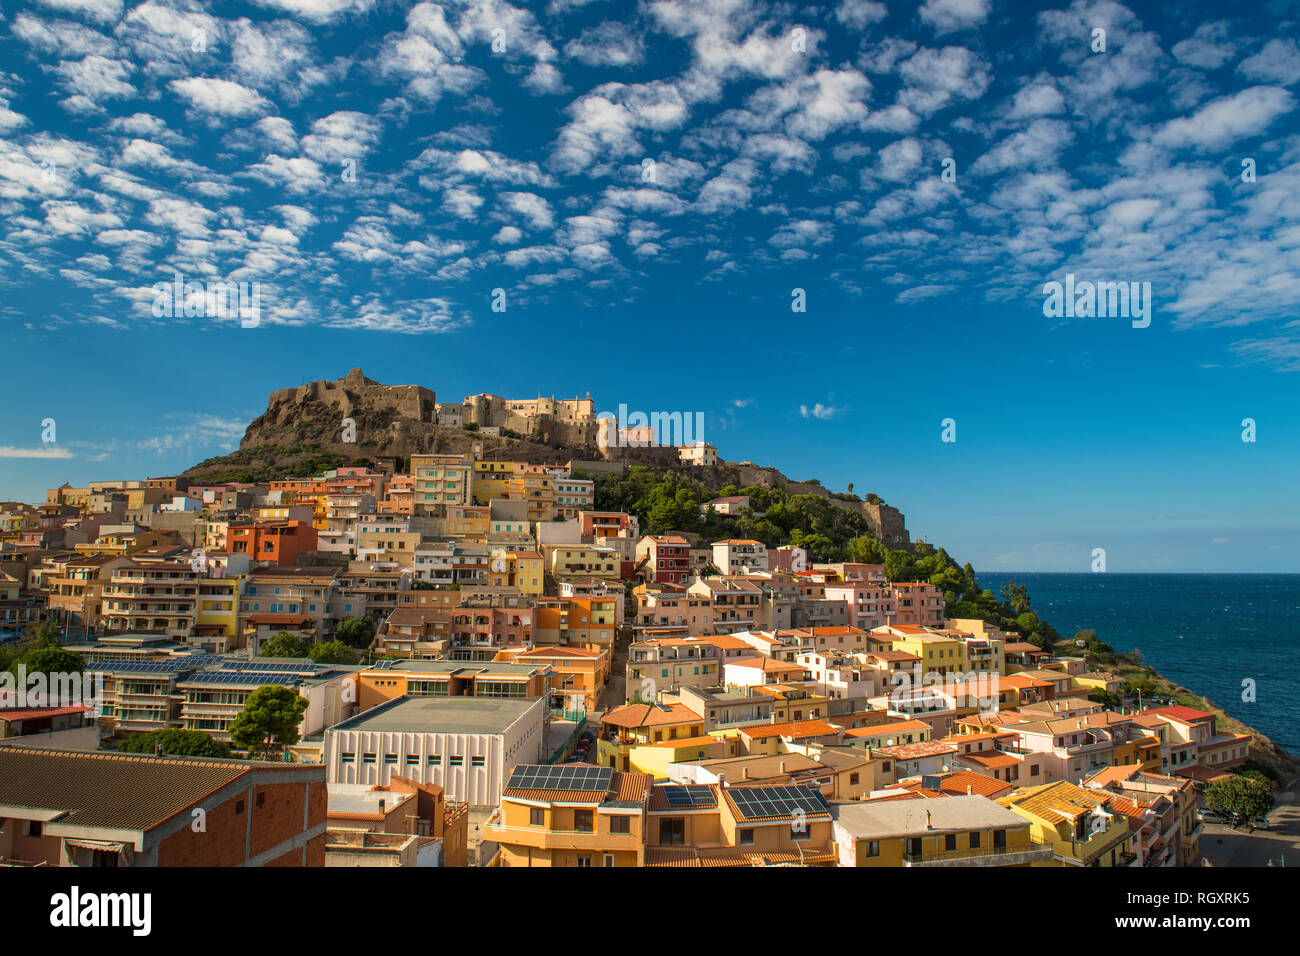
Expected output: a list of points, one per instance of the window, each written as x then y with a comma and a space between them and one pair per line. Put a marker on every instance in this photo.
261, 799
349, 757
672, 831
367, 758
33, 828
746, 837
609, 859
412, 760
584, 861
913, 846
390, 759
582, 821
853, 779
975, 840
476, 761
537, 817
950, 842
1000, 839
620, 824
872, 848
799, 832
239, 807
456, 762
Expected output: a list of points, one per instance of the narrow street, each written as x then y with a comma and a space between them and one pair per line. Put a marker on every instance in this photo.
1278, 845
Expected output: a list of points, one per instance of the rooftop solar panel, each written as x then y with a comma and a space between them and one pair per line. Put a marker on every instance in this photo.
687, 795
280, 667
545, 777
756, 802
242, 677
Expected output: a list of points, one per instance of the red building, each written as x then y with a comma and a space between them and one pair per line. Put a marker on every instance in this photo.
273, 542
103, 808
666, 559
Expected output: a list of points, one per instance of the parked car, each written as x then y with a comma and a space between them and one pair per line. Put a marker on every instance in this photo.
1259, 823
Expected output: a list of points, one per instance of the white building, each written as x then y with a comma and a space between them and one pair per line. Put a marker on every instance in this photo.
466, 745
701, 453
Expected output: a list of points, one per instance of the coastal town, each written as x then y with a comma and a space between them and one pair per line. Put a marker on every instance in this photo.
457, 659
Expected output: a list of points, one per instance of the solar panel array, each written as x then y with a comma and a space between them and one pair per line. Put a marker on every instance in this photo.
279, 667
163, 665
236, 677
756, 802
687, 795
543, 777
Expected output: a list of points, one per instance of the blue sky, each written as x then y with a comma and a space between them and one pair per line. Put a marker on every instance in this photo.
649, 183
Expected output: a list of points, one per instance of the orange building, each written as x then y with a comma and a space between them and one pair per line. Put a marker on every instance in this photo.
570, 815
277, 543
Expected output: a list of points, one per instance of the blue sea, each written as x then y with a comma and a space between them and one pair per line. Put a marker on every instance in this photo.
1208, 632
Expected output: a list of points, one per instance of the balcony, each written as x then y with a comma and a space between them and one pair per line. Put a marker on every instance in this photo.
546, 839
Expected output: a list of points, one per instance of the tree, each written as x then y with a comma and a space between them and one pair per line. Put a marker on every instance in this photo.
181, 743
355, 631
47, 635
50, 660
284, 644
1240, 797
332, 652
1104, 697
269, 721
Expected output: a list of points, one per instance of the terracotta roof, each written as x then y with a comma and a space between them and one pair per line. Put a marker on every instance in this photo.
1052, 801
1180, 713
649, 715
993, 760
29, 713
114, 790
895, 727
796, 728
926, 748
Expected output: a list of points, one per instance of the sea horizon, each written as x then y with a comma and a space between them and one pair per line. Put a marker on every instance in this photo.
1182, 631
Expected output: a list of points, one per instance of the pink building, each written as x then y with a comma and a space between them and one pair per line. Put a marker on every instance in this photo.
917, 603
870, 605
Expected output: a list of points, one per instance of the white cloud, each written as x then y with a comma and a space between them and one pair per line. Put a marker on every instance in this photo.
1230, 118
823, 412
222, 98
1278, 62
947, 16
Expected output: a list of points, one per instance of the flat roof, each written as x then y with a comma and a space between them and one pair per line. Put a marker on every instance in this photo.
441, 715
894, 818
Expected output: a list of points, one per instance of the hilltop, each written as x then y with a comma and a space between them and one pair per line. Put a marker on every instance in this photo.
301, 433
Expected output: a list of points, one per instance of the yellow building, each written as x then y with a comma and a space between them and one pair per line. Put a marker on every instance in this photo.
939, 653
382, 546
579, 673
1080, 826
217, 608
441, 481
569, 561
570, 815
624, 728
935, 831
517, 569
469, 521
